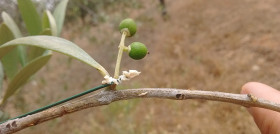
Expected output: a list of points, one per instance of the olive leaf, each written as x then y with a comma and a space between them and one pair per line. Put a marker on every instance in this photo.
34, 52
11, 24
1, 77
48, 21
5, 34
32, 22
11, 63
56, 44
46, 31
30, 16
11, 60
16, 32
25, 73
59, 14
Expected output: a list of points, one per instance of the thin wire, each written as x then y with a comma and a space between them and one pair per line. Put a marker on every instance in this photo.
59, 102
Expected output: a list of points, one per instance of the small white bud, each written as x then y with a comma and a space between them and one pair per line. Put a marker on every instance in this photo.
106, 81
126, 76
131, 73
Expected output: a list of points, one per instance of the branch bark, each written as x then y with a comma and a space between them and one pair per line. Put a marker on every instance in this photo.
106, 97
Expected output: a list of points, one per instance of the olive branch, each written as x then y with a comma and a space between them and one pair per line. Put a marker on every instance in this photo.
106, 97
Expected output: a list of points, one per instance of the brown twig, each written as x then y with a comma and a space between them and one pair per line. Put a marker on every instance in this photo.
106, 97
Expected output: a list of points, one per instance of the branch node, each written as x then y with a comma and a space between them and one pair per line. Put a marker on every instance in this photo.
253, 98
127, 75
180, 96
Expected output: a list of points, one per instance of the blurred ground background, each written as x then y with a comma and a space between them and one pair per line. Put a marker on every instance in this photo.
216, 45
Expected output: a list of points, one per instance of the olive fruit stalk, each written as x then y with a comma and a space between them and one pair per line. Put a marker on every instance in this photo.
121, 48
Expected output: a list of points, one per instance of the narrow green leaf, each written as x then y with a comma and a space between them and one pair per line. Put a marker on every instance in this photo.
1, 77
34, 52
45, 20
48, 21
11, 60
11, 63
46, 32
17, 34
56, 44
30, 16
25, 73
22, 54
11, 24
49, 28
5, 34
59, 14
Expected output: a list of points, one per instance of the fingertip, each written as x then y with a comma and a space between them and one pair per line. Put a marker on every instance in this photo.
248, 87
265, 119
261, 90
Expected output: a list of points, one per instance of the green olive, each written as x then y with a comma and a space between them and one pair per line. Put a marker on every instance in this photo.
128, 25
137, 50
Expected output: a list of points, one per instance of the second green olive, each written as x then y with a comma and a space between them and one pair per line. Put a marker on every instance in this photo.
137, 50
